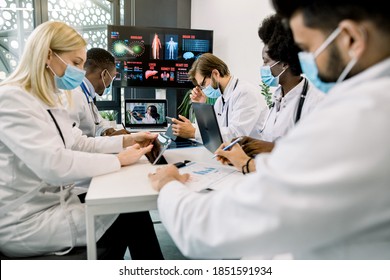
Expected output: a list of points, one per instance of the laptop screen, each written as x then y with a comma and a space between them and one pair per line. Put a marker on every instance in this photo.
208, 125
145, 113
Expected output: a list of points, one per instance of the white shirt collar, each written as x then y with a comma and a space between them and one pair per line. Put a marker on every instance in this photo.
90, 88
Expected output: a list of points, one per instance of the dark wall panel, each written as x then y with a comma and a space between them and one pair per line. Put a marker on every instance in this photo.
161, 13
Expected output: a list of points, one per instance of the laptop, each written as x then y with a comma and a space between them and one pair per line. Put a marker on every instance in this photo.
146, 115
208, 125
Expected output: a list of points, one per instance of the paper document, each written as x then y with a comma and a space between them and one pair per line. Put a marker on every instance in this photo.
204, 176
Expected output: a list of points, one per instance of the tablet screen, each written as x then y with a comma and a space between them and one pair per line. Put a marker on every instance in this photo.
164, 142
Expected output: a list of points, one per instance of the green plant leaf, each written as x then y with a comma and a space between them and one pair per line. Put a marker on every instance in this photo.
109, 115
265, 90
185, 108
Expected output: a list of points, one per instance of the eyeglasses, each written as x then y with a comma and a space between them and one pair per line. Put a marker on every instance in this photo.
202, 86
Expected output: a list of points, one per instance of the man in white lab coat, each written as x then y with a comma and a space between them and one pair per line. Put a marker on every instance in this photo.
240, 107
100, 73
323, 192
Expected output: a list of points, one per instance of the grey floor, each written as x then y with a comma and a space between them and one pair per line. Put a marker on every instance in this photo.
168, 247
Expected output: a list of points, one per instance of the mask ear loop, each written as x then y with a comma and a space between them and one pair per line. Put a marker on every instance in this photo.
352, 63
282, 71
329, 40
102, 76
347, 69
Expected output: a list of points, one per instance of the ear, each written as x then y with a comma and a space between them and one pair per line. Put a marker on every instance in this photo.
103, 73
49, 57
215, 73
354, 40
285, 65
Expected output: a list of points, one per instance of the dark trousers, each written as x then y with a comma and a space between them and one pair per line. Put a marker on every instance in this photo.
130, 230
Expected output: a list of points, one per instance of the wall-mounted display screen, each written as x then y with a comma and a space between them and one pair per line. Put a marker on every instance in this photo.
156, 57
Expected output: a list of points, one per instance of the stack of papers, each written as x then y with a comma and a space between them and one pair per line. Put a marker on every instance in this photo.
207, 176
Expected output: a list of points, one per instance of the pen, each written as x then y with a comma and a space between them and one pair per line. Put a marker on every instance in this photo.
230, 145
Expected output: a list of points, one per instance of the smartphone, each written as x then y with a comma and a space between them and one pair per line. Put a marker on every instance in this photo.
169, 119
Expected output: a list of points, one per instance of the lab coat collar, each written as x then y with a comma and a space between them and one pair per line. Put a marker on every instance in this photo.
90, 88
229, 88
291, 94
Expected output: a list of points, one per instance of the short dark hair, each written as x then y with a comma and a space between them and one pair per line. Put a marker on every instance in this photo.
326, 14
280, 42
98, 58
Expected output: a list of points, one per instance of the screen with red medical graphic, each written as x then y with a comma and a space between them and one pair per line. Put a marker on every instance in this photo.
156, 57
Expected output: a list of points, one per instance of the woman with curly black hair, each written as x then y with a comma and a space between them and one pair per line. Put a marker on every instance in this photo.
294, 96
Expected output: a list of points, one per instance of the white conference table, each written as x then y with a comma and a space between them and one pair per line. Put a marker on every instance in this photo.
129, 189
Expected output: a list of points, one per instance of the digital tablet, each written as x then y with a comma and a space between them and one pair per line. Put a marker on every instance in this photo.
164, 142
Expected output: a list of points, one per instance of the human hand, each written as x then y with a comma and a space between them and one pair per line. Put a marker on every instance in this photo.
235, 155
144, 139
166, 174
253, 147
197, 95
113, 132
153, 154
132, 154
183, 127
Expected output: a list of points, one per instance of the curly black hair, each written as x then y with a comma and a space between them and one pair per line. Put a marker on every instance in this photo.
279, 39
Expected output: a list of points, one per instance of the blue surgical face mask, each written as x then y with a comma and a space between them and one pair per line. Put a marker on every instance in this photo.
107, 90
211, 92
72, 77
267, 77
309, 66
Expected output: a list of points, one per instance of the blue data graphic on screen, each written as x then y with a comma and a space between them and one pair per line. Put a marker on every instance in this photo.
156, 57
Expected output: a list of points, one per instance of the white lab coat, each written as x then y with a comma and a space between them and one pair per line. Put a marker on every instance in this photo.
243, 113
84, 112
282, 115
39, 213
323, 193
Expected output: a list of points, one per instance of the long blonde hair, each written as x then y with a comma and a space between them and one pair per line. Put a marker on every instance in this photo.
32, 74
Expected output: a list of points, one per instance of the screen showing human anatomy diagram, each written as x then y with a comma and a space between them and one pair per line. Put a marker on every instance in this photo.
156, 57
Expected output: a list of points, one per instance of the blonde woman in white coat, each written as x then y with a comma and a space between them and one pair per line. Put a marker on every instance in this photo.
42, 155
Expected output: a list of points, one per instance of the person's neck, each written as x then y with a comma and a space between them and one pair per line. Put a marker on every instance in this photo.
223, 82
290, 83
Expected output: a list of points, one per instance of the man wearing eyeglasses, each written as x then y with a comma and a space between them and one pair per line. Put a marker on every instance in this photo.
240, 108
100, 73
